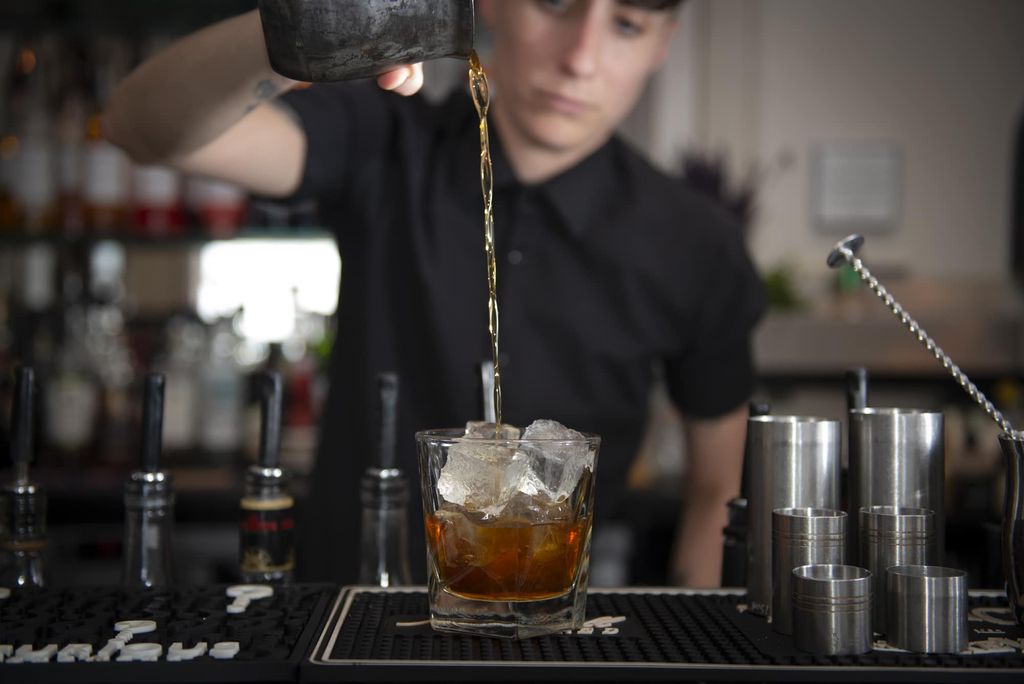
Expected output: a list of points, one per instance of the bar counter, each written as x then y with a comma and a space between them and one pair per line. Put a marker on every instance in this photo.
318, 633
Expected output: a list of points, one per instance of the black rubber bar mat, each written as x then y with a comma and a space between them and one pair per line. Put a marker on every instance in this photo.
633, 635
274, 634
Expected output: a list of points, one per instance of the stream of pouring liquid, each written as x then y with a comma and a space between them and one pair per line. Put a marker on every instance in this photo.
482, 100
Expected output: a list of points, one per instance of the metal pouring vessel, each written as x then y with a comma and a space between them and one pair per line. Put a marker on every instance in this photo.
1013, 524
1011, 441
333, 40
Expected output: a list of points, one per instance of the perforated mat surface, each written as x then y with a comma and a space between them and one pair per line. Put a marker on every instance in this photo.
314, 633
638, 636
186, 634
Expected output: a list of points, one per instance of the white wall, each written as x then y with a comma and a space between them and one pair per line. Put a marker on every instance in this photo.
942, 79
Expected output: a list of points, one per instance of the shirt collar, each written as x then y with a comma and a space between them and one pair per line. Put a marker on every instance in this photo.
581, 194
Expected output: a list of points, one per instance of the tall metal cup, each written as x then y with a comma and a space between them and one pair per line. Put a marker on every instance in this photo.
794, 463
1013, 524
897, 458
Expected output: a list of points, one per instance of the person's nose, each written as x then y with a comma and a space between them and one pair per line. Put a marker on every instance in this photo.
583, 49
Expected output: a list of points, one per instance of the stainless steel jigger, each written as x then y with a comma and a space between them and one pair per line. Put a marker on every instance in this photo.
1012, 441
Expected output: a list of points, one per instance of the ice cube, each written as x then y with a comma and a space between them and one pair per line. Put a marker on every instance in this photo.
534, 509
484, 477
478, 429
550, 429
558, 464
474, 474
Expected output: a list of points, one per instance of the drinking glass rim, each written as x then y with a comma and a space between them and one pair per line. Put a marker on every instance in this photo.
457, 435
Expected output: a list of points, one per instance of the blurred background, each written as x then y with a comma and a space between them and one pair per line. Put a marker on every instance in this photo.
808, 119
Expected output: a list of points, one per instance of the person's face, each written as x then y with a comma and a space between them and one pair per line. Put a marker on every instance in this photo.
567, 72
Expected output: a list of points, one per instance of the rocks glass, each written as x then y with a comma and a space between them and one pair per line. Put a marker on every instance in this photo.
508, 523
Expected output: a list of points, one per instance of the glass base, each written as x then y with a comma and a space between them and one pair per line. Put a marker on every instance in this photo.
507, 619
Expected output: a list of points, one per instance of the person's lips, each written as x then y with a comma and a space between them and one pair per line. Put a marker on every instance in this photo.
563, 104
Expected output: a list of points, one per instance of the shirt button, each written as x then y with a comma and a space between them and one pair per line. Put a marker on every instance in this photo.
515, 257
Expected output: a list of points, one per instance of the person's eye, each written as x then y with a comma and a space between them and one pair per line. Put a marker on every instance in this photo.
629, 27
557, 6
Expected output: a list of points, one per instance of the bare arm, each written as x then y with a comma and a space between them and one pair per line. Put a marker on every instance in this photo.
715, 458
200, 106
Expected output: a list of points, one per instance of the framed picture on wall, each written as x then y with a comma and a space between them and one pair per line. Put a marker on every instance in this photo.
856, 186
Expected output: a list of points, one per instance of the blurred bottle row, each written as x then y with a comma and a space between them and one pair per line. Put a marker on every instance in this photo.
91, 351
58, 176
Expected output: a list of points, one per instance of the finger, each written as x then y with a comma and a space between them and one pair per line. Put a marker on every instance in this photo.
413, 84
390, 80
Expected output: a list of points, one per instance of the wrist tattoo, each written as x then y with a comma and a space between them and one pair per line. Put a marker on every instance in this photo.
265, 90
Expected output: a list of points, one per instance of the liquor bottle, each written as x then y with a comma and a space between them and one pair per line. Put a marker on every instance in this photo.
219, 207
33, 184
222, 394
149, 502
71, 400
184, 346
115, 367
106, 169
384, 554
9, 146
267, 535
70, 138
156, 201
157, 191
23, 509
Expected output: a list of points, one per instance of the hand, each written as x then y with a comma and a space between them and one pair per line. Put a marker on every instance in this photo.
404, 80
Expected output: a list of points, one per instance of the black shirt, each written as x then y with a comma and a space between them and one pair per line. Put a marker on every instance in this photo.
603, 271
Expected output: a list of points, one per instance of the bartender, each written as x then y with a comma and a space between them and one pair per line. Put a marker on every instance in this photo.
608, 269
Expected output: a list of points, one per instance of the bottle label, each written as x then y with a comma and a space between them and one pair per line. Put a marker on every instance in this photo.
220, 429
35, 183
267, 535
25, 546
106, 175
180, 415
70, 168
155, 186
71, 408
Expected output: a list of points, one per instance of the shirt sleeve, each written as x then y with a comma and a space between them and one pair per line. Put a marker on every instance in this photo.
344, 124
714, 373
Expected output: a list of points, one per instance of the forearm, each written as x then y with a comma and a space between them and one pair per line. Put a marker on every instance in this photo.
192, 92
697, 559
715, 465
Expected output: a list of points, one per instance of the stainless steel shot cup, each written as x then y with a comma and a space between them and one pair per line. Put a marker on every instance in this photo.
832, 609
793, 463
897, 458
801, 536
926, 608
893, 535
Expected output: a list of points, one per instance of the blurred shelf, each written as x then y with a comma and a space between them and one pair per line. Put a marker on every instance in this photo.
94, 494
130, 17
15, 240
978, 323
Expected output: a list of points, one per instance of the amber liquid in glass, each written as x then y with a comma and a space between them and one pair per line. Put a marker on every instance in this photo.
482, 100
505, 560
